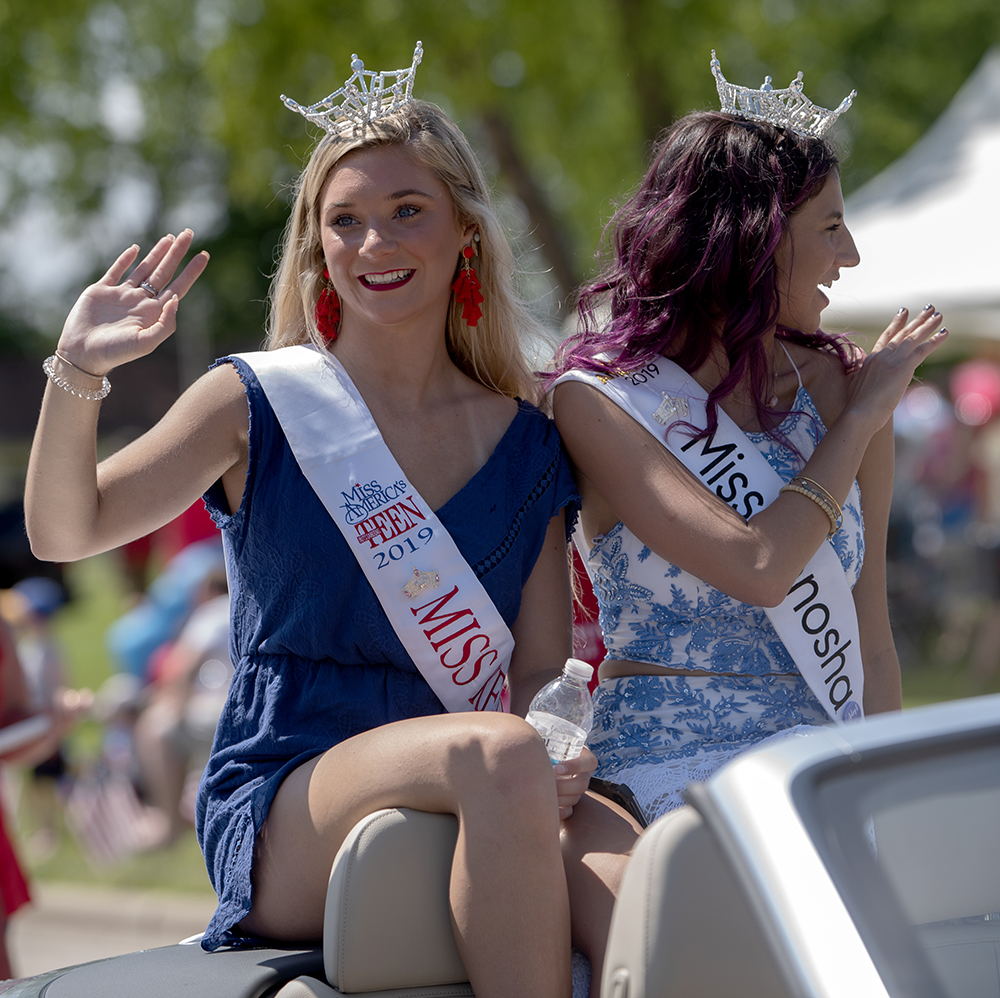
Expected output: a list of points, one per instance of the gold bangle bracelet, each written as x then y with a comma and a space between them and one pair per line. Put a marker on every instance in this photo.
816, 497
829, 498
80, 370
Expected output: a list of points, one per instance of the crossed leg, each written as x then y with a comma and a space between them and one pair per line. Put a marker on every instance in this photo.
508, 887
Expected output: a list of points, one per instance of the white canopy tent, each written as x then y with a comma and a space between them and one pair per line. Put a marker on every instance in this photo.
928, 226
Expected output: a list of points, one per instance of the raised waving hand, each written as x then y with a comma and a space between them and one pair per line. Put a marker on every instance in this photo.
115, 321
877, 385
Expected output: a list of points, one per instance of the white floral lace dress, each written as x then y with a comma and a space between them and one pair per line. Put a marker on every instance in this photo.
657, 734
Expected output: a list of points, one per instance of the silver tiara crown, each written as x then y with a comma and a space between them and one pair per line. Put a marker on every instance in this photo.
367, 96
788, 108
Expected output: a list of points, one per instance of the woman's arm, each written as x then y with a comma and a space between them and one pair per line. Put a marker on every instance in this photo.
663, 504
883, 687
543, 631
624, 468
543, 636
73, 508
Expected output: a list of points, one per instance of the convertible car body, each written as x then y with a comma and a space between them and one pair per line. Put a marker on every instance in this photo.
860, 861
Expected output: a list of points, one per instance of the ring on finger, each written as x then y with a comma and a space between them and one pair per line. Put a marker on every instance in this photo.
149, 289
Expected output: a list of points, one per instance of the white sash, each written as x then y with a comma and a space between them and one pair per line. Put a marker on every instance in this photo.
817, 620
443, 616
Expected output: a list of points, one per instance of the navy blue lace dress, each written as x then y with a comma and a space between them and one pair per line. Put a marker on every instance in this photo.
316, 661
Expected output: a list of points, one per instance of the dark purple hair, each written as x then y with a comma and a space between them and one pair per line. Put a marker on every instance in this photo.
694, 254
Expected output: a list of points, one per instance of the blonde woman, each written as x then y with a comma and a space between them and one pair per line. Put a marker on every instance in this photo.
381, 431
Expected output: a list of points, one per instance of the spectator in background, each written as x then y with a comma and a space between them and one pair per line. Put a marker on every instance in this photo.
149, 554
173, 733
14, 702
28, 607
158, 617
975, 389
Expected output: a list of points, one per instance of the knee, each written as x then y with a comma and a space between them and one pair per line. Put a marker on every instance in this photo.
506, 754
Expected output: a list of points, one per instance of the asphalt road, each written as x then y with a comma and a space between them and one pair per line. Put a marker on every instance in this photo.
71, 923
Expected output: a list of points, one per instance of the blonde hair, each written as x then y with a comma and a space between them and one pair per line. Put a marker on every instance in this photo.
490, 352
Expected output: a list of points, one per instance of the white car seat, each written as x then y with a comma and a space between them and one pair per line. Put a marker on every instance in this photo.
387, 929
682, 924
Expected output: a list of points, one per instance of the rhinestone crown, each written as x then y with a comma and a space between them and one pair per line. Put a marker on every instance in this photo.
420, 582
367, 96
788, 108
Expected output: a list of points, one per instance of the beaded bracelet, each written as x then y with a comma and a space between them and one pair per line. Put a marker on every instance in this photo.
807, 489
90, 394
829, 498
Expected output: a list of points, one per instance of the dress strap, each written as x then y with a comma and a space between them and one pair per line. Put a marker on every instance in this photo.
790, 361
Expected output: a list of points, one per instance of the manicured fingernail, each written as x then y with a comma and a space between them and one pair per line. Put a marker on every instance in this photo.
943, 331
901, 311
935, 315
927, 308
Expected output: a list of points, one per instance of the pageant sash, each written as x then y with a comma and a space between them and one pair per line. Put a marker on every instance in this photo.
817, 620
443, 616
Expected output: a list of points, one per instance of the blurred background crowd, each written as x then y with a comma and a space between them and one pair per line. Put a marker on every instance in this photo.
121, 120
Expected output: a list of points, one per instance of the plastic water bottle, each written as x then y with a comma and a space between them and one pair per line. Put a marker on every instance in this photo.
562, 711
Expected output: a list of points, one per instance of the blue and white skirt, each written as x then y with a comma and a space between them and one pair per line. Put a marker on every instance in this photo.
657, 734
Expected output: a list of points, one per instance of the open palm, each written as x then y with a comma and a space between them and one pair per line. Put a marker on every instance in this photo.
115, 321
878, 384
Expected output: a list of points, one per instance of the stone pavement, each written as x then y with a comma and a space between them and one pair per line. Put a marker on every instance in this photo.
73, 923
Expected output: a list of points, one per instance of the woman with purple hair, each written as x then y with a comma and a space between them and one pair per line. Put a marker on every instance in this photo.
735, 461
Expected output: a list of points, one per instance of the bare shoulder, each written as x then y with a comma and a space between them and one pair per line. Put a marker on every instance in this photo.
589, 419
824, 377
219, 389
576, 400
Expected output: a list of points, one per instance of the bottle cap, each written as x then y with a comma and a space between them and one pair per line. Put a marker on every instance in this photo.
580, 670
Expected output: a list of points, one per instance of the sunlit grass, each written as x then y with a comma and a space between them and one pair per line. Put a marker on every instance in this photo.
932, 684
98, 599
179, 867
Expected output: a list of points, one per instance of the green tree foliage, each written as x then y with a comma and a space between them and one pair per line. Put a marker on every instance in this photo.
122, 118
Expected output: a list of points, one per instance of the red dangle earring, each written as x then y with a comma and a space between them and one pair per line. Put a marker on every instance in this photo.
328, 310
466, 288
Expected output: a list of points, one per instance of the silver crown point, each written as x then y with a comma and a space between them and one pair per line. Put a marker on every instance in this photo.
846, 103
